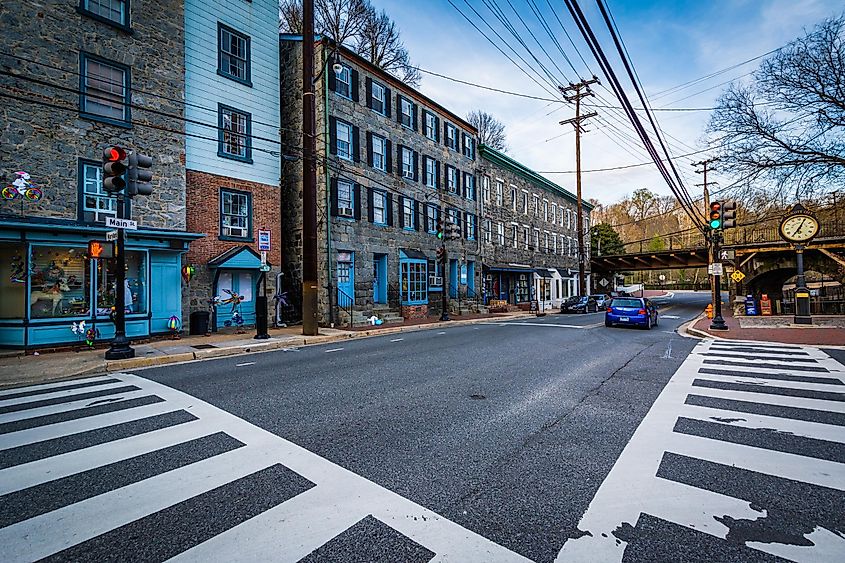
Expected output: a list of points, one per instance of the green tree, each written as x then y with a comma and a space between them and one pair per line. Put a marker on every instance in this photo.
656, 244
604, 240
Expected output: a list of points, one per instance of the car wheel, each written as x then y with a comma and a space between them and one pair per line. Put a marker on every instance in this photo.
607, 323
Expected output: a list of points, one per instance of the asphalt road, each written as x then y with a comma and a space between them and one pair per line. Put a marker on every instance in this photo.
505, 428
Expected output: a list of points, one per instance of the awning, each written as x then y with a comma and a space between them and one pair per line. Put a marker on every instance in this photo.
543, 273
564, 272
238, 258
412, 254
520, 269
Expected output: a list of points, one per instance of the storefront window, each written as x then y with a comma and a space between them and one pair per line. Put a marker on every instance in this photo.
521, 292
58, 282
12, 281
412, 278
135, 288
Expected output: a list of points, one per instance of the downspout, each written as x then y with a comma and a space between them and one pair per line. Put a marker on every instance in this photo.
327, 188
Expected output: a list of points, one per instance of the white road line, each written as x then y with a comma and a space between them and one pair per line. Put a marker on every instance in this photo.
57, 386
669, 317
244, 364
60, 393
71, 406
763, 382
442, 332
397, 340
334, 350
769, 399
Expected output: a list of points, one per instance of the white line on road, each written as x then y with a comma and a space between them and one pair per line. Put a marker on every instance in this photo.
244, 364
397, 340
334, 350
442, 332
669, 317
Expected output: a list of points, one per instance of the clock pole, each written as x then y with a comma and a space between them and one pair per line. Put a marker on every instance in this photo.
802, 294
799, 240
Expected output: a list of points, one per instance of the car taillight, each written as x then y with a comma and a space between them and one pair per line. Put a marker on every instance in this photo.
609, 310
641, 312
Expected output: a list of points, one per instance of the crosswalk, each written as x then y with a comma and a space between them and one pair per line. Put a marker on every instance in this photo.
743, 449
119, 467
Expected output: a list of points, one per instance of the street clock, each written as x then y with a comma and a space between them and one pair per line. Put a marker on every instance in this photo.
800, 226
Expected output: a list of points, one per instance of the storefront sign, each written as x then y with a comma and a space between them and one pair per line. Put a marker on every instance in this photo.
116, 223
264, 240
111, 235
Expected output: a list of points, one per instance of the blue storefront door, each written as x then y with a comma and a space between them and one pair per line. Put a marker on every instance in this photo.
345, 278
453, 278
241, 283
380, 278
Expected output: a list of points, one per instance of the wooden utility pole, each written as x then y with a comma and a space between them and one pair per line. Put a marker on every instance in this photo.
574, 93
309, 176
705, 167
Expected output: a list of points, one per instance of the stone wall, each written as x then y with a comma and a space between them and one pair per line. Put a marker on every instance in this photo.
41, 130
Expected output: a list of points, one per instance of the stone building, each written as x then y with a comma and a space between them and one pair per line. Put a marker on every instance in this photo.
232, 155
391, 164
79, 76
528, 233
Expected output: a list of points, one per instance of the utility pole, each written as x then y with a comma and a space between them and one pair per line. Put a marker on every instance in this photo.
309, 176
574, 93
713, 239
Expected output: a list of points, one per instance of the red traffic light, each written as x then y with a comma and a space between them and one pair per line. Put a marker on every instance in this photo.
113, 154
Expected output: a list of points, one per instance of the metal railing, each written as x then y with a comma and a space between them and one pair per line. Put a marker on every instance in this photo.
349, 305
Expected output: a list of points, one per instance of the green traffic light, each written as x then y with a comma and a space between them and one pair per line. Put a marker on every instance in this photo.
440, 235
715, 224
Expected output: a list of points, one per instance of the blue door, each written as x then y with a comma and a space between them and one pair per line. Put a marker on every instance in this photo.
453, 278
470, 278
234, 286
345, 278
380, 278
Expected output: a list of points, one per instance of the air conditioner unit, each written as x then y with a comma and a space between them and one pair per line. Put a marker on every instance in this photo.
345, 212
435, 281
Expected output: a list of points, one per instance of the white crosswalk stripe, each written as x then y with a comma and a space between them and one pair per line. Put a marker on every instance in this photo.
763, 414
334, 501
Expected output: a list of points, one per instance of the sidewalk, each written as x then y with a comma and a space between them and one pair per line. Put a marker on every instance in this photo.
18, 369
826, 331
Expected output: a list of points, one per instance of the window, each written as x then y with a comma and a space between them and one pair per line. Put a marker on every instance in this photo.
452, 179
345, 195
451, 136
13, 279
233, 54
96, 204
471, 223
525, 203
380, 208
469, 146
545, 210
413, 281
469, 185
430, 172
562, 222
379, 148
235, 214
407, 163
109, 11
536, 200
500, 234
431, 126
105, 90
135, 284
547, 244
408, 213
499, 188
485, 188
343, 134
513, 199
377, 101
406, 113
343, 82
554, 243
526, 237
514, 235
453, 216
234, 137
554, 213
431, 218
435, 274
536, 247
488, 230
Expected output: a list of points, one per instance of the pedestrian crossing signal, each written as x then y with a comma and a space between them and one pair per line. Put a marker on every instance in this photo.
100, 249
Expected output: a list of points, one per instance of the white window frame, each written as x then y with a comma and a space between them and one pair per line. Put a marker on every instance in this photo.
452, 179
485, 188
408, 213
514, 235
381, 163
403, 103
339, 141
525, 202
526, 234
381, 98
500, 233
554, 213
407, 164
347, 72
452, 140
345, 194
430, 126
499, 189
488, 231
430, 172
105, 204
379, 207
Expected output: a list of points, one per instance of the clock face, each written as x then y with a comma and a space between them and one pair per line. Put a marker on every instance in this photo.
799, 228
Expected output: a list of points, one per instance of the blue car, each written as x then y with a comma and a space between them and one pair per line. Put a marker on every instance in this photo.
635, 311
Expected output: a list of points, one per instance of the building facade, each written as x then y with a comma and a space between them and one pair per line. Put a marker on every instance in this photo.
79, 76
392, 163
529, 234
232, 155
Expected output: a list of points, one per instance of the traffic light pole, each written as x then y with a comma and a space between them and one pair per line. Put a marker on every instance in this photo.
718, 322
120, 348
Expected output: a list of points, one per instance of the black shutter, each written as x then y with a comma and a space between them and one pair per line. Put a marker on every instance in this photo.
416, 215
332, 77
401, 211
389, 209
370, 217
357, 202
333, 185
466, 225
437, 129
399, 151
369, 149
416, 166
354, 85
332, 135
414, 120
398, 109
368, 86
474, 187
445, 136
436, 174
387, 102
463, 185
356, 145
388, 150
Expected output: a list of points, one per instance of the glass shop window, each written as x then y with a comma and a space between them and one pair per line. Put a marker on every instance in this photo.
12, 281
59, 282
135, 288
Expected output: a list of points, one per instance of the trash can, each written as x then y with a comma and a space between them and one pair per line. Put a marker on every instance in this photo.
750, 306
199, 322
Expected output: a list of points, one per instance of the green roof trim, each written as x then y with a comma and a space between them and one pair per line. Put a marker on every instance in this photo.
501, 159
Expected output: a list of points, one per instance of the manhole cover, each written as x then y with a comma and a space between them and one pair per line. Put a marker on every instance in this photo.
477, 397
203, 346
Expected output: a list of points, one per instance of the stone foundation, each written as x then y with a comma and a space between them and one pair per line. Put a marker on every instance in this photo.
414, 311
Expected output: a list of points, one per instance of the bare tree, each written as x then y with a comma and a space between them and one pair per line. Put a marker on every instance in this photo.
491, 131
342, 20
380, 43
787, 127
290, 16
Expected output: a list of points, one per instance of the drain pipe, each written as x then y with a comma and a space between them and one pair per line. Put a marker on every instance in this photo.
327, 188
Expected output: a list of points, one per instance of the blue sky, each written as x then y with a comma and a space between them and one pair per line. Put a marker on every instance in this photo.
670, 43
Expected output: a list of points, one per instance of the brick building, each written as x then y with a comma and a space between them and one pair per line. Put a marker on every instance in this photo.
391, 163
82, 76
232, 154
529, 234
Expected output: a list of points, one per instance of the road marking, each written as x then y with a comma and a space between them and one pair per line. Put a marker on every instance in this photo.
633, 487
669, 317
334, 350
244, 364
397, 340
442, 332
525, 323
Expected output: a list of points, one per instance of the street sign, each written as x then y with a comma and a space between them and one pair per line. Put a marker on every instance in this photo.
603, 282
715, 269
727, 254
111, 235
264, 268
264, 240
263, 257
737, 276
116, 223
100, 249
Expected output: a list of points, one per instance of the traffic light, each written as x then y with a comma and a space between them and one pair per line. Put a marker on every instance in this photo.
440, 229
729, 215
114, 166
100, 249
139, 175
441, 255
716, 215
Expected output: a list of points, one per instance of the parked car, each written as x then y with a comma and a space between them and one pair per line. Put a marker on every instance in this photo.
601, 299
579, 304
636, 311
